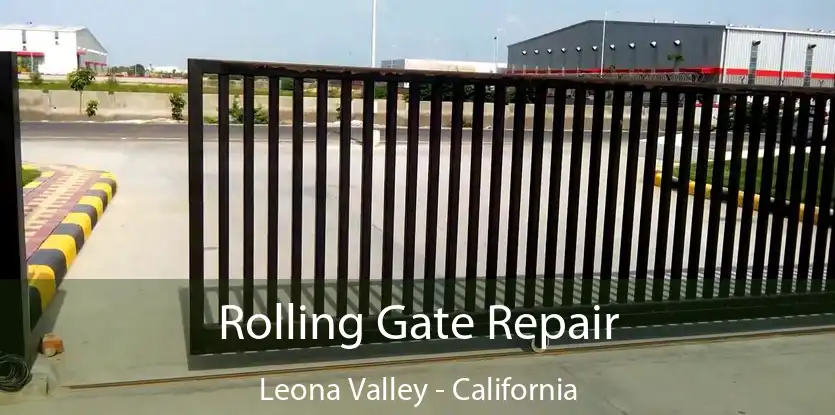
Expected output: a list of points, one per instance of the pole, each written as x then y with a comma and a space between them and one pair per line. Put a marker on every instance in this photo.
373, 33
603, 42
495, 53
15, 334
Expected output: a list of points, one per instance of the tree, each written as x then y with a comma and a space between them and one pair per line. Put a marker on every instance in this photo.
78, 80
676, 59
137, 70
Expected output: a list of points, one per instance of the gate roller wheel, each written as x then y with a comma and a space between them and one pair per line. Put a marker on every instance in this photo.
535, 346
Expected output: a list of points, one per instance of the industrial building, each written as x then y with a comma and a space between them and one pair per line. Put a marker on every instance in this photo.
53, 50
438, 65
719, 53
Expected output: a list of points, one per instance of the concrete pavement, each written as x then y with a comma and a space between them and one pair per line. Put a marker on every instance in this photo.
157, 170
143, 241
726, 378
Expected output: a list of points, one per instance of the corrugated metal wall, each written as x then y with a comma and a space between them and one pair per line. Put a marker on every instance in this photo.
770, 50
700, 46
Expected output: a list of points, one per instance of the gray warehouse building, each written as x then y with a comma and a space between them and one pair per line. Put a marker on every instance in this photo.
729, 54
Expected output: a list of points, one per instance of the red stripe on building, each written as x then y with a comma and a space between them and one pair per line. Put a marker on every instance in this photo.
765, 73
41, 54
29, 54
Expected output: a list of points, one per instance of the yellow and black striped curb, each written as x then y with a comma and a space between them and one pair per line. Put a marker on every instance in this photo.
691, 189
48, 265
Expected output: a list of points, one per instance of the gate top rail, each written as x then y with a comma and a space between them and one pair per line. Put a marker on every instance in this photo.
326, 72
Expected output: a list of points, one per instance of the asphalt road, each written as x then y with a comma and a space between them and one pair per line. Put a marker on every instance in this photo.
40, 130
177, 132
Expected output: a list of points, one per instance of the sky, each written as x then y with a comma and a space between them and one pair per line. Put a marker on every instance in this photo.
338, 32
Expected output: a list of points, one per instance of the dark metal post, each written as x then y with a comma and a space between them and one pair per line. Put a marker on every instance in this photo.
15, 327
195, 206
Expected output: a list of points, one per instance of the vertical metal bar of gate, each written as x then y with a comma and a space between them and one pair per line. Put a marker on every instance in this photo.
630, 186
430, 250
683, 195
740, 122
554, 179
795, 195
517, 147
537, 150
249, 198
195, 207
810, 197
15, 326
390, 159
450, 258
716, 196
779, 206
825, 220
647, 192
769, 146
474, 199
663, 223
592, 193
611, 204
321, 195
697, 217
577, 138
752, 166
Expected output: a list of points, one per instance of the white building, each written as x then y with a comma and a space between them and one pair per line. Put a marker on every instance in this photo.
165, 69
438, 65
53, 50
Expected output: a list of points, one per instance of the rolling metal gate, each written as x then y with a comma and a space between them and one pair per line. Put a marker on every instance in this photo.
741, 273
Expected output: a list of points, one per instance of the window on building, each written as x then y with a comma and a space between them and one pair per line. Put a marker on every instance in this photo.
807, 68
752, 63
23, 37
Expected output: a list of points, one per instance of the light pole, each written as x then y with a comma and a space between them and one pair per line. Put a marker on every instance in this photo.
603, 39
524, 65
496, 50
373, 33
579, 58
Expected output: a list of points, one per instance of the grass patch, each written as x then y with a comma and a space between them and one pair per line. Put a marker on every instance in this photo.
760, 178
27, 175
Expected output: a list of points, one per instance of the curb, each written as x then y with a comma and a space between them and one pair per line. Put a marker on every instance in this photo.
691, 189
48, 265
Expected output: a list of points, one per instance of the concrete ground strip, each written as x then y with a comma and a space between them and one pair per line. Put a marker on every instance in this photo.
61, 207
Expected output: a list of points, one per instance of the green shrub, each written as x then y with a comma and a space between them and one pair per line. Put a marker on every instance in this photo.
236, 113
112, 84
92, 108
177, 104
35, 78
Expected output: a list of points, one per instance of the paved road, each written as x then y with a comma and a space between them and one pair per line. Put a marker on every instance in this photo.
95, 131
35, 130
